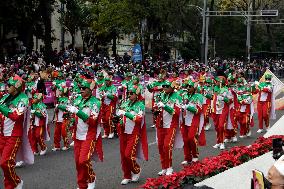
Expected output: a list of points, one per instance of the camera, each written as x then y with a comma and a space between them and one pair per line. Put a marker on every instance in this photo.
278, 151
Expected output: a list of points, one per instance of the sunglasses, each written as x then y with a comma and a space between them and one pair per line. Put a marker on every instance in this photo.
9, 85
190, 86
83, 88
130, 93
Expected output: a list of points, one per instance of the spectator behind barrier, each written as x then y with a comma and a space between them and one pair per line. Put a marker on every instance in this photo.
276, 174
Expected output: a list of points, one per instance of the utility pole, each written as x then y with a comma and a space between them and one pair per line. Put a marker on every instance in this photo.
203, 31
248, 43
207, 39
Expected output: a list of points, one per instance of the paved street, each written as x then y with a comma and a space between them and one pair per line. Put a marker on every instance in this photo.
56, 170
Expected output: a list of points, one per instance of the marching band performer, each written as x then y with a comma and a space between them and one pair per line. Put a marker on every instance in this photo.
2, 86
87, 134
13, 138
132, 132
156, 87
62, 120
109, 99
208, 94
245, 112
266, 103
125, 84
220, 109
231, 134
136, 81
39, 119
57, 83
167, 123
100, 80
74, 98
30, 88
192, 122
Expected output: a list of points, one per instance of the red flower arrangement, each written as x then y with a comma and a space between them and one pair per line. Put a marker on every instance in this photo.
211, 166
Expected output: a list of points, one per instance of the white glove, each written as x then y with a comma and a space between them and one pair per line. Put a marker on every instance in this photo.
120, 112
159, 87
256, 82
184, 107
220, 97
161, 105
32, 111
190, 104
72, 109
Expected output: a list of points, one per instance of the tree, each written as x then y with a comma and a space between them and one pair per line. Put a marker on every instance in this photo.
72, 18
256, 5
27, 18
21, 18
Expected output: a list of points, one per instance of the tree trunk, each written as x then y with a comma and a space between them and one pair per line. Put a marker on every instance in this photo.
46, 14
96, 47
271, 38
73, 40
253, 29
84, 45
114, 37
28, 38
146, 42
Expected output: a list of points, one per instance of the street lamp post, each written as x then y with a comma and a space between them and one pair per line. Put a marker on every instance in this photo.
203, 32
206, 40
248, 43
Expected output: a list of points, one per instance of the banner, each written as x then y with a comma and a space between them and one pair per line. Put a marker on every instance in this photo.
137, 53
49, 98
277, 84
278, 88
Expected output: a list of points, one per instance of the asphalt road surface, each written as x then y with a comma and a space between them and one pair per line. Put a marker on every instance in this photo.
56, 170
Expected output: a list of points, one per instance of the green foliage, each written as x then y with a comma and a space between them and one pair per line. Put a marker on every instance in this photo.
166, 24
230, 36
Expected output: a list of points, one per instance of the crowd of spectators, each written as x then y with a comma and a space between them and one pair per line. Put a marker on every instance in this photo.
70, 62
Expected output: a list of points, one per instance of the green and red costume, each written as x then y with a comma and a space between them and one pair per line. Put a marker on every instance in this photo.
109, 98
192, 124
133, 135
167, 124
13, 133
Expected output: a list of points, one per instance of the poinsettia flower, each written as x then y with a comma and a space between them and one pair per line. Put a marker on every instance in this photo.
211, 166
